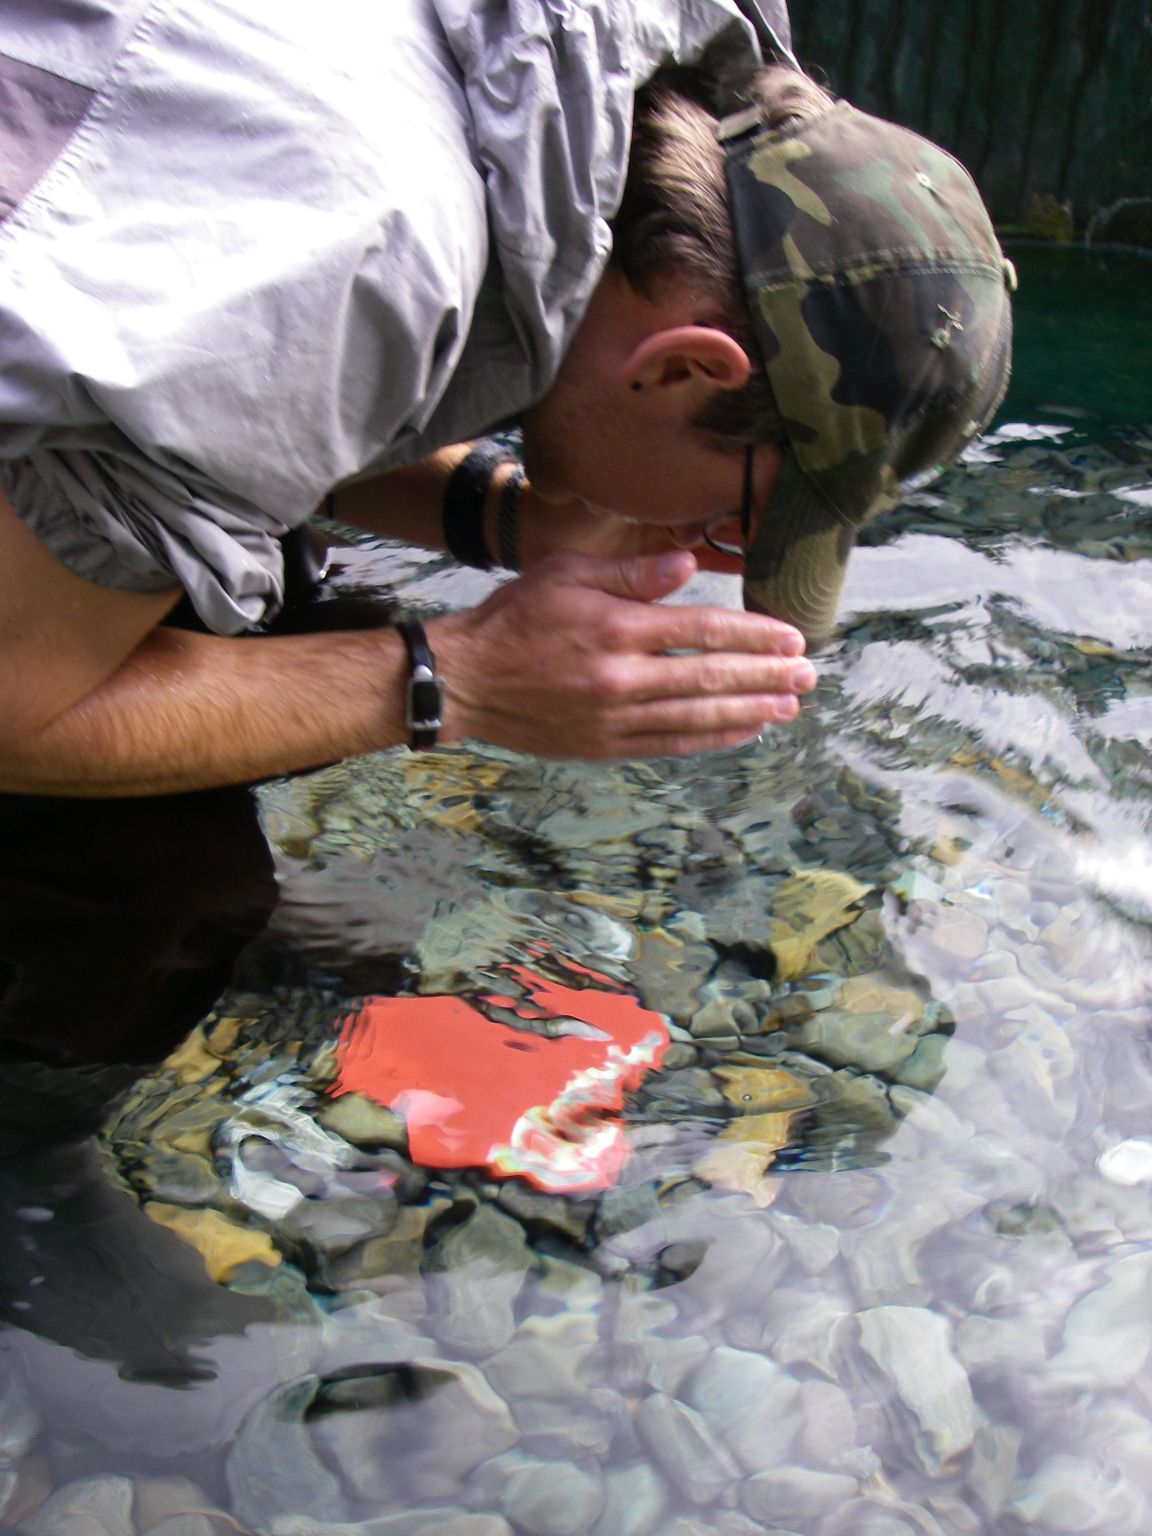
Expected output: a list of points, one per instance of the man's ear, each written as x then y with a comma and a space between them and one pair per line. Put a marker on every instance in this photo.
686, 364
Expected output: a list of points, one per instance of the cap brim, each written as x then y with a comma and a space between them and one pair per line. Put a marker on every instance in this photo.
795, 566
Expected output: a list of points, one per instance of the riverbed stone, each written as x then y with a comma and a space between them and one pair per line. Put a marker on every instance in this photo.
795, 1496
913, 1348
89, 1506
548, 1498
748, 1402
686, 1450
635, 1501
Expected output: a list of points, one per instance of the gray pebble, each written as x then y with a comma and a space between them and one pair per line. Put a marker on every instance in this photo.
795, 1495
635, 1501
680, 1442
548, 1498
90, 1506
748, 1402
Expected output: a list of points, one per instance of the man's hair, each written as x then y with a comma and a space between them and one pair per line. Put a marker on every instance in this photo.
674, 222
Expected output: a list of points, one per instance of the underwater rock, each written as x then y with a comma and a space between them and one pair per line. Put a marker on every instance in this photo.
867, 1517
161, 1498
635, 1501
362, 1122
992, 1469
635, 1352
895, 1271
1108, 1332
795, 1496
748, 1403
549, 1356
806, 908
828, 1435
317, 1231
410, 1429
223, 1245
459, 1524
814, 1245
90, 1506
569, 1430
623, 1208
534, 1209
1072, 1493
548, 1498
446, 1521
798, 1327
559, 1283
913, 1348
685, 1449
25, 1490
272, 1467
689, 1092
472, 1311
177, 1178
862, 1040
1128, 1162
925, 1066
19, 1421
740, 1164
194, 1524
993, 1347
475, 1273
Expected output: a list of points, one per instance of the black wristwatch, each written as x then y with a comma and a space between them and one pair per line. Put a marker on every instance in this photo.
425, 702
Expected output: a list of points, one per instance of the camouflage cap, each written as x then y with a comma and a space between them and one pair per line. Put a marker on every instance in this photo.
879, 297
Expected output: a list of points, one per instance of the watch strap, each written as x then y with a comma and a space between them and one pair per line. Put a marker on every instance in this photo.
424, 699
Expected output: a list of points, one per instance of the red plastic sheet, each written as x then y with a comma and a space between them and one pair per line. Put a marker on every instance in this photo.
477, 1092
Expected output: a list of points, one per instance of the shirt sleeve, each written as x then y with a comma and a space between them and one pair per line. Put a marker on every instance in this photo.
116, 519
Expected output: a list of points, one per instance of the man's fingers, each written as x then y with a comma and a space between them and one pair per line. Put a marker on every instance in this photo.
668, 728
644, 579
714, 674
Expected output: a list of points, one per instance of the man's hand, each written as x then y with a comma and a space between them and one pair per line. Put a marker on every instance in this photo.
572, 660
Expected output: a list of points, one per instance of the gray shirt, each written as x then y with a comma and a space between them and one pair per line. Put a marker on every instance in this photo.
249, 252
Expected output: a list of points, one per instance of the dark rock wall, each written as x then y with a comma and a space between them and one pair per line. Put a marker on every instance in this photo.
1048, 102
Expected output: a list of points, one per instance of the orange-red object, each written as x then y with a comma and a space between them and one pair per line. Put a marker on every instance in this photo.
475, 1092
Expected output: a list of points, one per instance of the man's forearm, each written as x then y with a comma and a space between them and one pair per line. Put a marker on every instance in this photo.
186, 711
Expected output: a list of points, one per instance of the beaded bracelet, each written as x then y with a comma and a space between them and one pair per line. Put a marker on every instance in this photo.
464, 498
508, 520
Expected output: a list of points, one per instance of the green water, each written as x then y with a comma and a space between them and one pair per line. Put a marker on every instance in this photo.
1083, 333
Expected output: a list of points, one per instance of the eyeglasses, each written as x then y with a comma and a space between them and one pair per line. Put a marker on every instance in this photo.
723, 546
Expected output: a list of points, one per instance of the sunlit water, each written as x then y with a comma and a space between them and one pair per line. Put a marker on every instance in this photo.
878, 1262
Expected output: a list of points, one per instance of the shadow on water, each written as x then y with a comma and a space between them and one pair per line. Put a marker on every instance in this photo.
878, 1260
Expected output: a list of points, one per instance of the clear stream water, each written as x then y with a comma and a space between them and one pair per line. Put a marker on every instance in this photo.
878, 1263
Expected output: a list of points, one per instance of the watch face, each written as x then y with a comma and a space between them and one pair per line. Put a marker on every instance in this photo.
425, 702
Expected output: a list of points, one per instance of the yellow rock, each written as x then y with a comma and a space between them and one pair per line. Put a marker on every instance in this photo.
806, 908
741, 1167
222, 1244
755, 1090
444, 787
192, 1061
627, 906
1014, 779
222, 1036
766, 1134
872, 994
199, 1143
